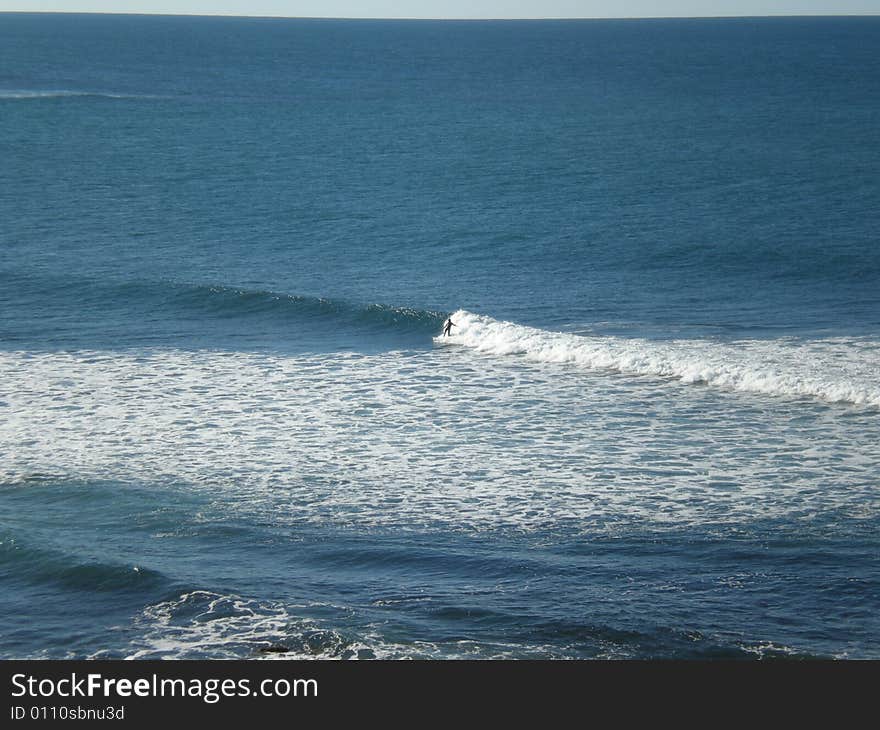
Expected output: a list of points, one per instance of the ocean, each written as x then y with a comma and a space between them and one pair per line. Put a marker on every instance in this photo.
230, 426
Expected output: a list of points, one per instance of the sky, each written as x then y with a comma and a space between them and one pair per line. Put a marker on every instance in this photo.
455, 8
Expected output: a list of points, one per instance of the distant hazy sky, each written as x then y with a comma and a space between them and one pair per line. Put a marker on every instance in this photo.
456, 8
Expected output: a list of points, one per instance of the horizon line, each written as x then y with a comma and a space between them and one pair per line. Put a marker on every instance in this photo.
232, 15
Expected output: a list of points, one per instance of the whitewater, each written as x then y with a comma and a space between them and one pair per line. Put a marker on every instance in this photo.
834, 369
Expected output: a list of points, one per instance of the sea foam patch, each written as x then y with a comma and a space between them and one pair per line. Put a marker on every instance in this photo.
445, 439
203, 624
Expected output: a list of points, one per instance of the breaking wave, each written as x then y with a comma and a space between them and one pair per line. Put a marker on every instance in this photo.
836, 370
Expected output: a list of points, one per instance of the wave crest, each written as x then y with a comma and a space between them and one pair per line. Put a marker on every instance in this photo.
232, 301
38, 566
836, 370
13, 94
139, 299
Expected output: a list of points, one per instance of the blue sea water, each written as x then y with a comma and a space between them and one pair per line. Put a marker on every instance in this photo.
229, 428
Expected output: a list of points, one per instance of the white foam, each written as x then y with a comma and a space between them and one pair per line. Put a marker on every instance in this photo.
447, 439
831, 369
206, 625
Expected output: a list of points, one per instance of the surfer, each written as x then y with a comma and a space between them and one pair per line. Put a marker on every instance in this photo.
447, 328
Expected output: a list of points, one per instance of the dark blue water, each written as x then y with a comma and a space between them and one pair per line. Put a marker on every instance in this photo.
227, 423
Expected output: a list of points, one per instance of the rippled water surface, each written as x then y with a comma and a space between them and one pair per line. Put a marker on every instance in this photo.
229, 426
